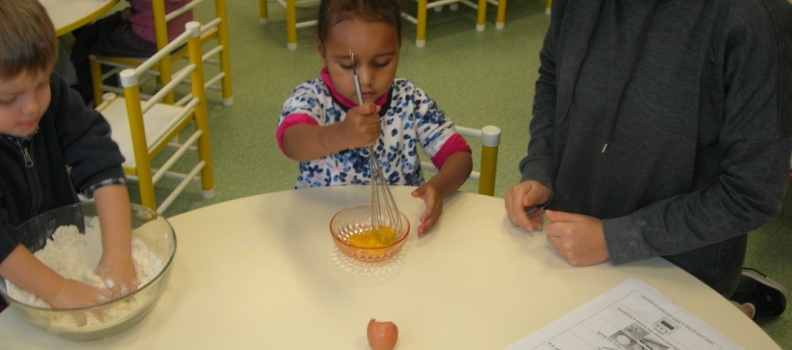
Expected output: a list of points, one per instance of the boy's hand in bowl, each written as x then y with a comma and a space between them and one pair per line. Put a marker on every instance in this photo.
118, 273
73, 294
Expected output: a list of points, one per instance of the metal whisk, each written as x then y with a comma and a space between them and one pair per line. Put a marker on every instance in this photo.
384, 212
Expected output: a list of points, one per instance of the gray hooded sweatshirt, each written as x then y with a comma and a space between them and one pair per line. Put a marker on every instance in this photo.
669, 120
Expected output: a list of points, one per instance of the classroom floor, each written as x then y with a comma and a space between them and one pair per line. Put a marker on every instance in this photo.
478, 78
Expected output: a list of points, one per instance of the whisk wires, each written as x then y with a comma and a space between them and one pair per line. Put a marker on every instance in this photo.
384, 213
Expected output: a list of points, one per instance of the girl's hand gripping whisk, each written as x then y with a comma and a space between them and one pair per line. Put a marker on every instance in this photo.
384, 213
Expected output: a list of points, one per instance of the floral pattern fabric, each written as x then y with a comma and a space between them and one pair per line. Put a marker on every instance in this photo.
409, 119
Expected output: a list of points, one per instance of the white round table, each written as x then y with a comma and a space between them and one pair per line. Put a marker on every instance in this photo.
262, 273
68, 15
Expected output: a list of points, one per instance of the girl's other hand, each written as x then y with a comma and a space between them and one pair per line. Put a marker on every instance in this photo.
362, 125
434, 207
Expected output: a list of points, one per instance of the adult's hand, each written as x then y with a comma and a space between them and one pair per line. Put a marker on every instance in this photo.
526, 195
579, 239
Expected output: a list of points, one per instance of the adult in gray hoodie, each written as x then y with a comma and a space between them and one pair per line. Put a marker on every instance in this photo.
660, 128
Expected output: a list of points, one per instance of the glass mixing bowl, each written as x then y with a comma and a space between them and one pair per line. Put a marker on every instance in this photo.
112, 317
356, 220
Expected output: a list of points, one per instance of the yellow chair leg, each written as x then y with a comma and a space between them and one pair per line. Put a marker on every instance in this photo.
225, 55
420, 31
263, 16
548, 6
147, 198
204, 152
207, 173
201, 119
291, 24
165, 77
481, 19
158, 7
142, 158
96, 80
500, 22
489, 163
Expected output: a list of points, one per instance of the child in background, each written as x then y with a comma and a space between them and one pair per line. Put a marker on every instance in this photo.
324, 128
129, 33
43, 129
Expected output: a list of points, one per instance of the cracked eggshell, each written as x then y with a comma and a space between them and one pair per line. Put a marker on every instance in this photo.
382, 335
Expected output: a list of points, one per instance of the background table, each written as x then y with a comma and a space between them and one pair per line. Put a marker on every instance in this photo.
68, 15
262, 273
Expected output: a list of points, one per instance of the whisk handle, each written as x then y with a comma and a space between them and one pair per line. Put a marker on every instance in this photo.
359, 95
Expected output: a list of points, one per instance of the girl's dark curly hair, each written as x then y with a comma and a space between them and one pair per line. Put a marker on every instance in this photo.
332, 12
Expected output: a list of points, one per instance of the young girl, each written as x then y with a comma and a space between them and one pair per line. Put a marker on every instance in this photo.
129, 33
324, 128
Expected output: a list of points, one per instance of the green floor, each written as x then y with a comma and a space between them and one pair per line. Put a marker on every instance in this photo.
478, 78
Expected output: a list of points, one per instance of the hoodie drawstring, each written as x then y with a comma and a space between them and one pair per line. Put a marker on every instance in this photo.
611, 121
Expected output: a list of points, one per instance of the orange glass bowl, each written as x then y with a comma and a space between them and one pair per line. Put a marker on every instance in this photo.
356, 219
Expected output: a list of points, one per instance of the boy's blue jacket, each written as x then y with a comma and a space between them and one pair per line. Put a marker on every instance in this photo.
67, 136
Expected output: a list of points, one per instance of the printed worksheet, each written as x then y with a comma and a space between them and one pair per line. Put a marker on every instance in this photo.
631, 316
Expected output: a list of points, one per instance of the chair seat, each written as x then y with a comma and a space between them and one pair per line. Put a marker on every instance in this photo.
144, 128
156, 120
215, 30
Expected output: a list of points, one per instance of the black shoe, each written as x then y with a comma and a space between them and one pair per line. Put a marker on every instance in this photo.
766, 296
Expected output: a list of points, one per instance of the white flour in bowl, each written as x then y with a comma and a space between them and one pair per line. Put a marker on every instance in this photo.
75, 256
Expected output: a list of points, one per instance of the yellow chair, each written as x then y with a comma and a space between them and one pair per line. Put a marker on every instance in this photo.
490, 139
143, 128
214, 30
481, 19
291, 17
500, 19
549, 6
